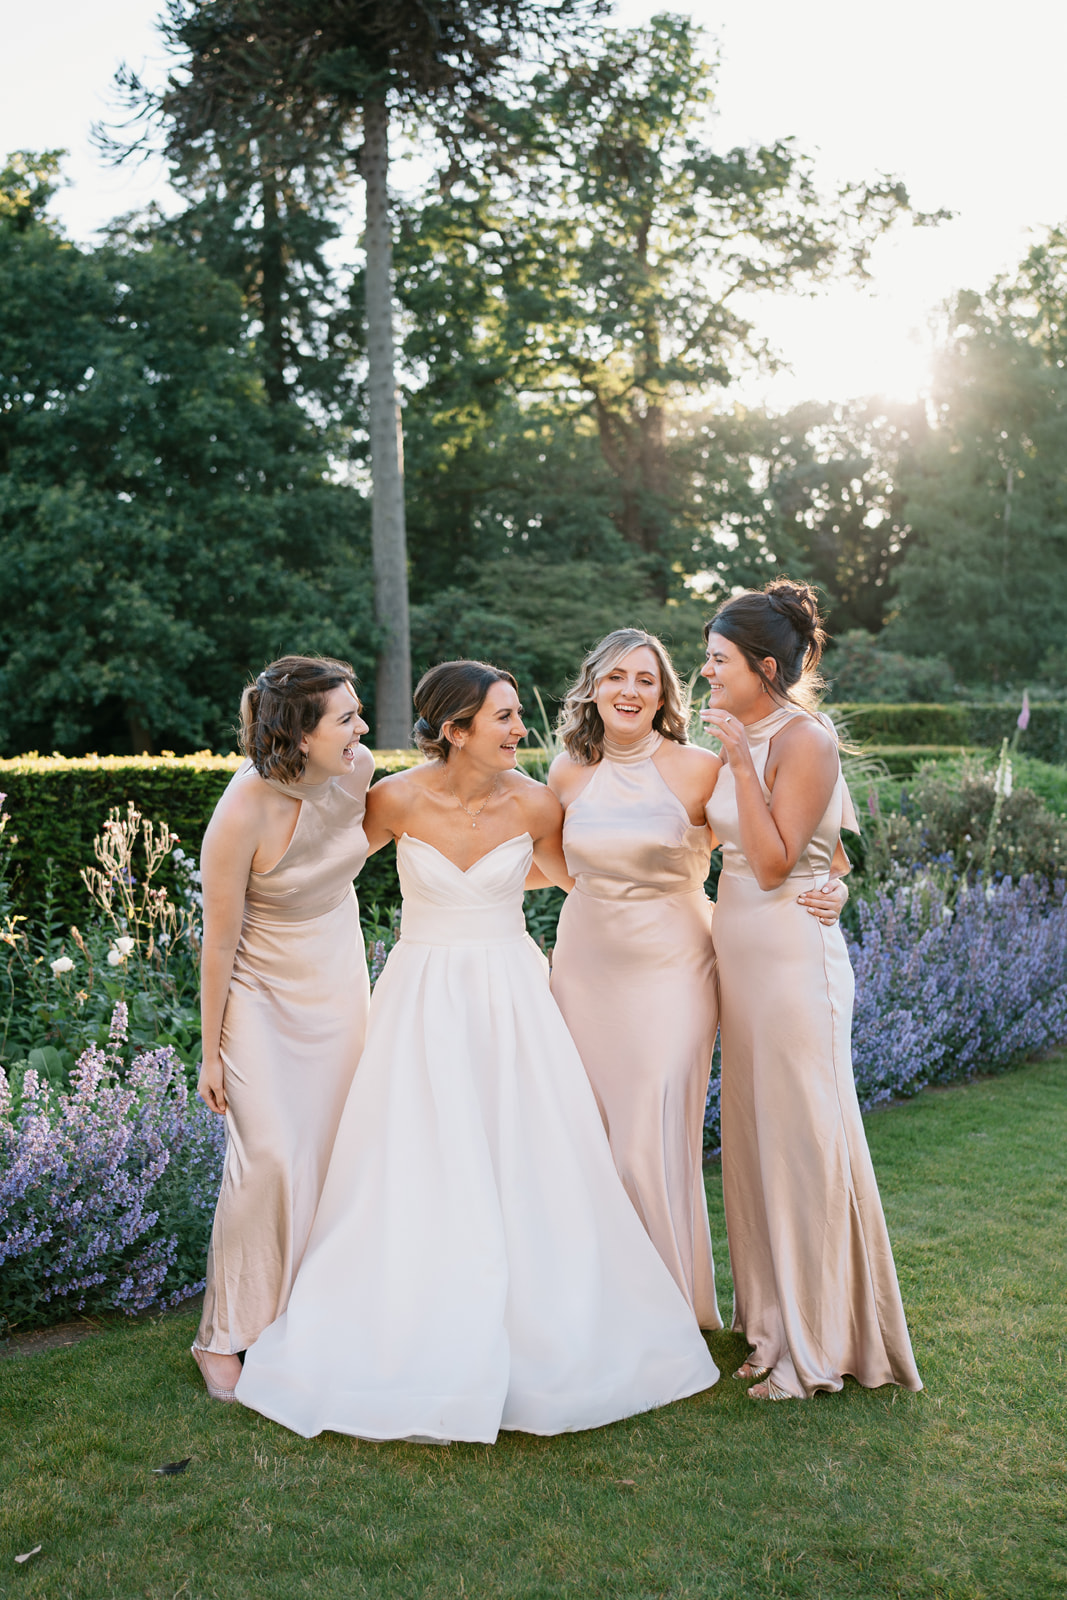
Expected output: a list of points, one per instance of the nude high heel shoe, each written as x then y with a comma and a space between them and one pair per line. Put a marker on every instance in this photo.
213, 1389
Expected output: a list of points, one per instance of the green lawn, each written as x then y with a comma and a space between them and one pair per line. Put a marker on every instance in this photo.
958, 1492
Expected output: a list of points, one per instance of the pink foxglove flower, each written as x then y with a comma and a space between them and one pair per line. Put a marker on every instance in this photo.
1023, 719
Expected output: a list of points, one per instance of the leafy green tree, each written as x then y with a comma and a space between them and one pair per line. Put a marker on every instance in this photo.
599, 276
830, 482
163, 528
984, 576
291, 80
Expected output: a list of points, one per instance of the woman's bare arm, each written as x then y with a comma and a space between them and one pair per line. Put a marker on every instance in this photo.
774, 836
544, 819
230, 843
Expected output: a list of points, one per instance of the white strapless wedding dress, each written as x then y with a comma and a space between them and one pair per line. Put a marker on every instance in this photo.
475, 1263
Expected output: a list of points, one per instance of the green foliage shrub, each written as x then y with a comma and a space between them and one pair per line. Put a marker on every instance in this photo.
944, 816
858, 668
982, 723
58, 804
900, 760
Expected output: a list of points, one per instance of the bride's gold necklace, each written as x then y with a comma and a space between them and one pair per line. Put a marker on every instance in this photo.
474, 815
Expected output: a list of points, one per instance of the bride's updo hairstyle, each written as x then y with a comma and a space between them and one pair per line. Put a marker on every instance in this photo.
285, 703
580, 725
782, 621
452, 693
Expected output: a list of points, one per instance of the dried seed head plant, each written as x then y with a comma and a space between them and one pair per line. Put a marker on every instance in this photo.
137, 909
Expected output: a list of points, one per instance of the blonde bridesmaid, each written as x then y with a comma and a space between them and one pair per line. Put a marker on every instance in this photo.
815, 1287
284, 987
634, 964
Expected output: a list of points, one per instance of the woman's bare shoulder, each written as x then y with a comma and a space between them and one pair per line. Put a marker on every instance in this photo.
538, 802
399, 788
245, 807
808, 734
693, 757
564, 763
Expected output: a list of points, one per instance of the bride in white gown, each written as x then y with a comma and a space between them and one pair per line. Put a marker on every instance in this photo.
475, 1263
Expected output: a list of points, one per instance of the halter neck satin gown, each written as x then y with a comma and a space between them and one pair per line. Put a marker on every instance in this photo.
633, 972
475, 1263
292, 1034
815, 1287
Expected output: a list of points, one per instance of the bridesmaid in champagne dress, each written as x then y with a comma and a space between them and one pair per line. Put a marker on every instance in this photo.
634, 965
633, 970
285, 991
815, 1287
475, 1263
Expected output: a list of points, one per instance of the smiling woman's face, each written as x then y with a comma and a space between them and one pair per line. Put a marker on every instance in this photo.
330, 747
493, 737
630, 694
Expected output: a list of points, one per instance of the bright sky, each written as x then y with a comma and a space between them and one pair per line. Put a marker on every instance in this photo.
965, 103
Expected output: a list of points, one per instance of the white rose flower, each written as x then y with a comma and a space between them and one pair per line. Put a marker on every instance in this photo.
125, 946
115, 958
62, 964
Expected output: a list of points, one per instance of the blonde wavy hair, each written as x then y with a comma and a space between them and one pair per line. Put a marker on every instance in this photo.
580, 726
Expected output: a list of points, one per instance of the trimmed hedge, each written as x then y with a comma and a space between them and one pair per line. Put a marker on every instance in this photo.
57, 805
901, 760
962, 723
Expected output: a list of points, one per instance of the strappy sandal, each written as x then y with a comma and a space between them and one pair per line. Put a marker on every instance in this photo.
769, 1390
214, 1390
749, 1372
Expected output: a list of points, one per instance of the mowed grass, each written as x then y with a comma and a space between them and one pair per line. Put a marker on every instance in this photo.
958, 1492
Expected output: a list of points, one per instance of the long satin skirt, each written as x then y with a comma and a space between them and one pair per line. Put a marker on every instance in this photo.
292, 1035
815, 1286
635, 980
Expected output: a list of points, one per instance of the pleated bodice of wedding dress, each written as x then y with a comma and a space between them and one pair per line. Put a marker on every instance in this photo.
292, 1033
633, 972
815, 1287
475, 1263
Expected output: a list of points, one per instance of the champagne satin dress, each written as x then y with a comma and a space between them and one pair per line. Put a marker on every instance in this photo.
633, 972
815, 1287
292, 1034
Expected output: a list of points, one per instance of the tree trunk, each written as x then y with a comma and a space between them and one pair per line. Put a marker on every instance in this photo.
140, 738
272, 291
388, 538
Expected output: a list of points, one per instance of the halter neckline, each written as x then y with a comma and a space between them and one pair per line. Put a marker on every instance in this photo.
630, 754
767, 726
301, 791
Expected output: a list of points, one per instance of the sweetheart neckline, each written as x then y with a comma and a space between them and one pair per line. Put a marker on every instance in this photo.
463, 871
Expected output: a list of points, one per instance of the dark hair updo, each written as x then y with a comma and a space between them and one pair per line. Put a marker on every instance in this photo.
285, 703
782, 621
453, 692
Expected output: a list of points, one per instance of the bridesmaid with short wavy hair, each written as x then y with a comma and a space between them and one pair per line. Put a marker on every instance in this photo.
284, 987
815, 1288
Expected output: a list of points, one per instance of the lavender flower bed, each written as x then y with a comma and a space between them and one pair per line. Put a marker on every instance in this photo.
951, 979
107, 1189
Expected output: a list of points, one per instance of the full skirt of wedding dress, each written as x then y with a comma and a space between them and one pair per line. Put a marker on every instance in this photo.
475, 1263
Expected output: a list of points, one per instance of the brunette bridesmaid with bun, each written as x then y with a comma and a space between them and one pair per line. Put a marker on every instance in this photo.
284, 987
815, 1287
